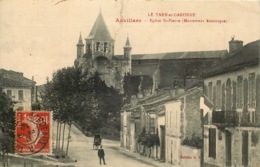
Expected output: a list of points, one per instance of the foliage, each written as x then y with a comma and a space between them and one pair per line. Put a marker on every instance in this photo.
36, 106
136, 84
86, 100
61, 94
141, 137
147, 83
194, 141
130, 85
7, 124
148, 140
153, 140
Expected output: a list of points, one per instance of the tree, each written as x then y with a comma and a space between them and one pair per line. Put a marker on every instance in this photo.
88, 101
7, 124
101, 103
62, 97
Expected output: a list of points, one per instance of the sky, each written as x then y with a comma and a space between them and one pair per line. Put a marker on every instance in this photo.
38, 37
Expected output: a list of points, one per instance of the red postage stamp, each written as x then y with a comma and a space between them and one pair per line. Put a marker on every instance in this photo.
33, 132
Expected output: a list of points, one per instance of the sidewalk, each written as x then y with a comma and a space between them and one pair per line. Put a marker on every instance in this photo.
148, 160
45, 161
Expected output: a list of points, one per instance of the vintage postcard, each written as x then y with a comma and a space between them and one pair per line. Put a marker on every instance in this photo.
129, 83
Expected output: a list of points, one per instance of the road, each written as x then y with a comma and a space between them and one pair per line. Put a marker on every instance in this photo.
81, 149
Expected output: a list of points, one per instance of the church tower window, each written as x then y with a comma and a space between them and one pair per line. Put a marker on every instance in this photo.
98, 46
105, 47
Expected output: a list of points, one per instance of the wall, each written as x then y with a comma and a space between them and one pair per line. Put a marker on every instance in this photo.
192, 122
26, 103
124, 135
220, 147
253, 147
172, 127
178, 67
190, 156
160, 121
233, 76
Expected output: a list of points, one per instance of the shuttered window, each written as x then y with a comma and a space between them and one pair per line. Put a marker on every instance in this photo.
218, 95
234, 94
9, 93
20, 94
239, 91
210, 91
251, 90
245, 148
228, 96
245, 93
212, 143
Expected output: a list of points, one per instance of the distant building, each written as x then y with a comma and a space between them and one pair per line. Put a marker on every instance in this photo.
171, 69
21, 90
98, 55
232, 87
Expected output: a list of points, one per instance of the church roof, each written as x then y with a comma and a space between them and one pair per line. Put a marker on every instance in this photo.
181, 55
144, 69
99, 30
127, 44
80, 40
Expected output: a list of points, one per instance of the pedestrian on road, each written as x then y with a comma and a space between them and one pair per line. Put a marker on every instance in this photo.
101, 155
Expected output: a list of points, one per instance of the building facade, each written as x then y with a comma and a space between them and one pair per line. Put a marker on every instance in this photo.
21, 90
231, 136
183, 126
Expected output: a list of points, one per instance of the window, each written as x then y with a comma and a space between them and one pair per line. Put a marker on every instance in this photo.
245, 148
212, 143
97, 46
218, 95
9, 93
251, 90
20, 94
88, 48
239, 92
228, 96
210, 91
105, 47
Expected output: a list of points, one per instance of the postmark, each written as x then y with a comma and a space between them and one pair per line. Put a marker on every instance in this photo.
33, 132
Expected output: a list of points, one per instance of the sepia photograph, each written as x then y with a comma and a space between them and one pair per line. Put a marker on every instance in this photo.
145, 83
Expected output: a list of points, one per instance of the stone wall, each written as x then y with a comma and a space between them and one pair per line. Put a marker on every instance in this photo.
190, 156
182, 68
220, 148
192, 111
253, 147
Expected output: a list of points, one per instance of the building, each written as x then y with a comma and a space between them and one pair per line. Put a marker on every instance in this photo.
165, 69
21, 90
97, 55
232, 87
183, 125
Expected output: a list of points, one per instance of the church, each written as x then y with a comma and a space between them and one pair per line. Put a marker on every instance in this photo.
167, 70
97, 55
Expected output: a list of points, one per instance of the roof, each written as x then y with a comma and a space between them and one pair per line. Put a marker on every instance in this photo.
99, 30
144, 69
14, 79
127, 44
182, 55
247, 56
80, 41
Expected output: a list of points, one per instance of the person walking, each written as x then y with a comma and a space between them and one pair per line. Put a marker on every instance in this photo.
101, 155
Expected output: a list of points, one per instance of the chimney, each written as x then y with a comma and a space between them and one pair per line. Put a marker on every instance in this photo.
234, 46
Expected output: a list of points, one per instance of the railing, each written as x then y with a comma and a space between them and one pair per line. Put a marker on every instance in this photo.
233, 118
225, 118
